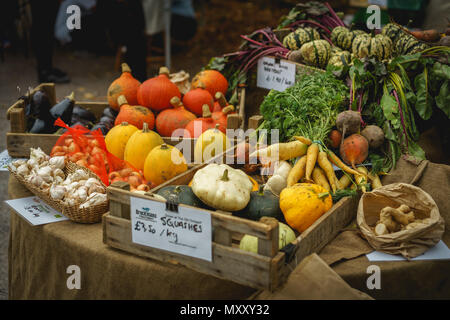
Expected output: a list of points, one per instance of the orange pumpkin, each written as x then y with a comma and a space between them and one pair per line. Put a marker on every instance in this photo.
196, 127
221, 117
212, 80
155, 93
125, 85
194, 100
220, 102
170, 120
135, 115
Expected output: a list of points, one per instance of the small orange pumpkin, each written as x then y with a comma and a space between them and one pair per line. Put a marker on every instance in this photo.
220, 102
125, 85
135, 115
197, 126
194, 100
212, 80
170, 120
221, 117
155, 93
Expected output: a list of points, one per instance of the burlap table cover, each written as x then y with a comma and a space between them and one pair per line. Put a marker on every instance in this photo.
424, 279
40, 255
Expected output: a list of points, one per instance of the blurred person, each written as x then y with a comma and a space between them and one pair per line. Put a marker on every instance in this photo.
43, 14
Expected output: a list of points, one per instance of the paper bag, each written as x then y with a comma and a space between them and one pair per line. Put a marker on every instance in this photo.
409, 243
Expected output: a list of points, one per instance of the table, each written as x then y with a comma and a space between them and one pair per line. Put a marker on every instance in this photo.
40, 255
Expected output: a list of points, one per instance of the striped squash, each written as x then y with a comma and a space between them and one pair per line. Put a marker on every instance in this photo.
297, 38
403, 42
339, 58
343, 37
316, 53
379, 46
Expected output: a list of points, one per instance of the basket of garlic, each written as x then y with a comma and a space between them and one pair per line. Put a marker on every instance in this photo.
73, 190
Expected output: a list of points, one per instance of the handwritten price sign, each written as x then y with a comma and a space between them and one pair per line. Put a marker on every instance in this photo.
275, 74
187, 231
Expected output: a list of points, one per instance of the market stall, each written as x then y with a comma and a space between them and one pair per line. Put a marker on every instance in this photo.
168, 198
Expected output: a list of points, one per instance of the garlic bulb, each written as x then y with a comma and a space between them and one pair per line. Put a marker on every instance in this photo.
78, 175
46, 173
94, 199
32, 163
96, 188
38, 155
23, 170
35, 180
18, 163
57, 162
92, 181
57, 192
81, 194
12, 167
58, 173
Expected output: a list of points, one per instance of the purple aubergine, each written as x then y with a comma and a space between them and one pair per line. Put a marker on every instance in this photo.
83, 113
64, 109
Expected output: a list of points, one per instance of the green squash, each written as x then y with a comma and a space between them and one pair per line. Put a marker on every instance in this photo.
263, 203
295, 39
340, 58
316, 53
379, 46
403, 42
181, 194
344, 37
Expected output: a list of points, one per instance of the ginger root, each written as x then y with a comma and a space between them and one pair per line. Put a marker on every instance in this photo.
393, 220
399, 216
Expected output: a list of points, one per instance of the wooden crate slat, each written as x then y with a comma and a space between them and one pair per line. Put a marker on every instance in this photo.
218, 219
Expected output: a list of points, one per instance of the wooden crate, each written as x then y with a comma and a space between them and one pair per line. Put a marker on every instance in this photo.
268, 269
19, 142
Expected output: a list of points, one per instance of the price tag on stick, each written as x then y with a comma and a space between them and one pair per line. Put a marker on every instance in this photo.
275, 74
171, 227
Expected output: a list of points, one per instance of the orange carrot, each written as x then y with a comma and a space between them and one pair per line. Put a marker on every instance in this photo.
297, 172
320, 178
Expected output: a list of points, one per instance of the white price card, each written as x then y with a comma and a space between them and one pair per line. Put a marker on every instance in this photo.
275, 74
35, 210
186, 231
5, 160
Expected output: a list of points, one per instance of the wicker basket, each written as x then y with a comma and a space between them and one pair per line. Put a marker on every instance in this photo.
92, 214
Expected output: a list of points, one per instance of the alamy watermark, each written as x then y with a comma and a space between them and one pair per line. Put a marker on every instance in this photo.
74, 280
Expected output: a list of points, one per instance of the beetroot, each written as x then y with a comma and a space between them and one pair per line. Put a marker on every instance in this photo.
348, 122
354, 149
374, 135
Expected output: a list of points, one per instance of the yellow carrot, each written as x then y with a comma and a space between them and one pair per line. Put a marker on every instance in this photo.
326, 166
344, 182
281, 151
338, 163
297, 172
311, 158
319, 178
375, 179
361, 178
303, 140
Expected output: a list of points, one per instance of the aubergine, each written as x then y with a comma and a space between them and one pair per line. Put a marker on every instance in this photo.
42, 126
102, 126
64, 109
40, 105
82, 113
110, 112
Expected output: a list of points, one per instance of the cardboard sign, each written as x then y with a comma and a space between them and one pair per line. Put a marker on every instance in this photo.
275, 74
185, 230
35, 210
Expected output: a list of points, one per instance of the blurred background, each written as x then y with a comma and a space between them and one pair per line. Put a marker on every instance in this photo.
36, 46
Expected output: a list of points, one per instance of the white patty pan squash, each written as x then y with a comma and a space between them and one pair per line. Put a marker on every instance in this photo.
222, 187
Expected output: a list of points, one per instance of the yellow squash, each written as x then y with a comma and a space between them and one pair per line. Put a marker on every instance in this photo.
139, 145
209, 144
303, 203
116, 139
163, 163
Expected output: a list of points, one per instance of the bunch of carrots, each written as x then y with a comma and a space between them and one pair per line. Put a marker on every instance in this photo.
315, 165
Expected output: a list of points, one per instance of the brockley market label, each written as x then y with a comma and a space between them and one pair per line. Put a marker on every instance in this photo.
187, 231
